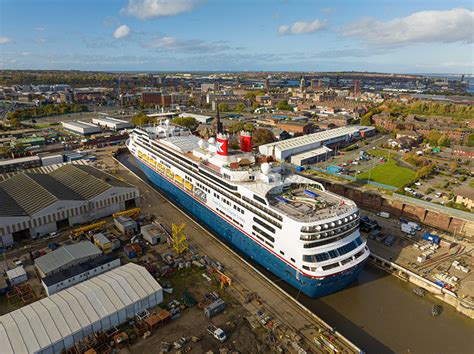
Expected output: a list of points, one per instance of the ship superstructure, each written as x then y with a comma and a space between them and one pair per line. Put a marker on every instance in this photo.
285, 222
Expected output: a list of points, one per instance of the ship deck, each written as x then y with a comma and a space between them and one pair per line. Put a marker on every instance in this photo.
308, 204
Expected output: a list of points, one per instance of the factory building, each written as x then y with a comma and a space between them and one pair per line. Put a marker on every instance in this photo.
282, 150
35, 204
81, 128
55, 323
111, 123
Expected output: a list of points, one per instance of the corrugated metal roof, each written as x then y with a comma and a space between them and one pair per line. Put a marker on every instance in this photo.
64, 255
40, 325
27, 193
59, 190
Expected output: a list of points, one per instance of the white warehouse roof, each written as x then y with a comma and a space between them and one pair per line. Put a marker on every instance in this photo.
56, 322
310, 138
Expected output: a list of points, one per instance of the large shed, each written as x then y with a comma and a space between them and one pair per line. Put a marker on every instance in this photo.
53, 324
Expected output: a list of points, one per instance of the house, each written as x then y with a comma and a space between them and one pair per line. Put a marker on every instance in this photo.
465, 196
463, 152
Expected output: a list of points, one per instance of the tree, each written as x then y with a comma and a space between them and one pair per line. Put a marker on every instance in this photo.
240, 107
470, 140
249, 127
284, 106
255, 105
262, 136
188, 122
140, 119
433, 137
443, 141
223, 107
236, 127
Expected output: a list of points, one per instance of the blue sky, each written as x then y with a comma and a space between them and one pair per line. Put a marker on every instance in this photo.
296, 35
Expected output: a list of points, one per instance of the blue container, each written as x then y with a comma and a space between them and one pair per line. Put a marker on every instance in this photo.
130, 252
299, 169
439, 282
432, 238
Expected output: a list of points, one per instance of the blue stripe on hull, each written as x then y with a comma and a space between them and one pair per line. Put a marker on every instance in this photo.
310, 286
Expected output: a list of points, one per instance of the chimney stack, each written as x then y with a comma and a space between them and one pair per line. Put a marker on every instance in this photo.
245, 141
222, 144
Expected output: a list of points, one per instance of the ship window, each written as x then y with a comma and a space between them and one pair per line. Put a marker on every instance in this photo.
293, 260
333, 253
330, 266
261, 223
306, 267
260, 199
263, 233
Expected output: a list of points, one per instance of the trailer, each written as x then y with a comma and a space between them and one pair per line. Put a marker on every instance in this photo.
214, 308
408, 229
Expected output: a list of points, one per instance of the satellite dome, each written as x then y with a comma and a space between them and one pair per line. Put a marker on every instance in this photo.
266, 168
212, 141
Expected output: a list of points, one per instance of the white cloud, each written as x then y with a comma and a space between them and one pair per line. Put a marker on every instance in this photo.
5, 40
40, 40
455, 25
40, 29
302, 27
147, 9
162, 42
122, 31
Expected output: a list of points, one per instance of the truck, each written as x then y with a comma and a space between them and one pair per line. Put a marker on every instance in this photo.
408, 229
414, 225
383, 214
431, 238
389, 240
217, 333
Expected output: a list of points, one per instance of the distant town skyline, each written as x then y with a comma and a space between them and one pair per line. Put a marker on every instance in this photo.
210, 35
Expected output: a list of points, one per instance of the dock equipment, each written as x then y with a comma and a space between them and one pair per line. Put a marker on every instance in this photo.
224, 279
179, 241
83, 229
133, 213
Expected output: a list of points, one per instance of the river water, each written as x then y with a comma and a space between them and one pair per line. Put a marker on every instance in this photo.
380, 313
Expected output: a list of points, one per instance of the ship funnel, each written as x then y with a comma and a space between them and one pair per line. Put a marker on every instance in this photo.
222, 144
245, 141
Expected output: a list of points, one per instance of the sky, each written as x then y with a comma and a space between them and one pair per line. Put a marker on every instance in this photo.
415, 36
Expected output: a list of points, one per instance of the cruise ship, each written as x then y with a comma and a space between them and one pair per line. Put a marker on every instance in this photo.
286, 223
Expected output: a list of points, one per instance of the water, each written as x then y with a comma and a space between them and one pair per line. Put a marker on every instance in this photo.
380, 314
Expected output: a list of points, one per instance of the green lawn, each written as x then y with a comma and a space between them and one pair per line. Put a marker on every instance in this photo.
389, 173
381, 153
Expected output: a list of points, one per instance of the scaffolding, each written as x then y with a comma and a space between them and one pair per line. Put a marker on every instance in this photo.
179, 241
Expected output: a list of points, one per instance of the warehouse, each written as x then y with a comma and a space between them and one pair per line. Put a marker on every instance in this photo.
80, 127
56, 197
56, 322
284, 149
75, 274
312, 156
111, 123
66, 257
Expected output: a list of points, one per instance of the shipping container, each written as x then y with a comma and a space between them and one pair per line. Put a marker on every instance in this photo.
214, 308
408, 229
432, 238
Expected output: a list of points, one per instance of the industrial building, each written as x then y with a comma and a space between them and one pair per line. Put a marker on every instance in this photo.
154, 233
65, 257
78, 273
81, 128
21, 163
35, 204
199, 117
313, 156
55, 323
284, 149
111, 123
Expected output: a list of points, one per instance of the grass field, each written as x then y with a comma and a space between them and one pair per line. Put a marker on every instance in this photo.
389, 173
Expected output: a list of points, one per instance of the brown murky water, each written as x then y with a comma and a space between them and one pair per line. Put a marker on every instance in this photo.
380, 314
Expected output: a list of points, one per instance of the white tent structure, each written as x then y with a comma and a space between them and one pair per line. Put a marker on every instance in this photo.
55, 323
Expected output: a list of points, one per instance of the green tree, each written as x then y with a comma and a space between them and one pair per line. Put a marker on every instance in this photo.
444, 141
188, 122
255, 105
262, 136
240, 107
249, 127
470, 140
223, 107
433, 137
140, 119
236, 127
283, 106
